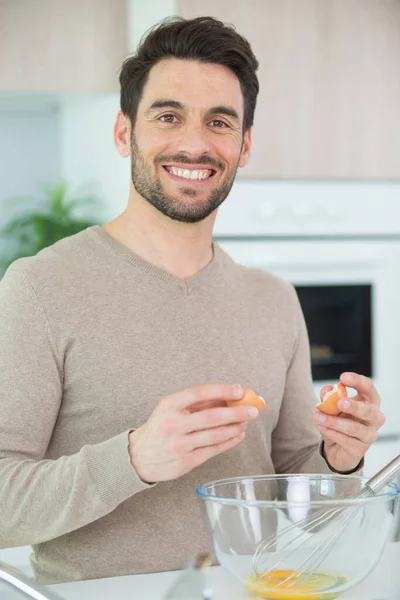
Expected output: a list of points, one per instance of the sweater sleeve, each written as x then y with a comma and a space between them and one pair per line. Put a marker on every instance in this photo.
42, 499
296, 442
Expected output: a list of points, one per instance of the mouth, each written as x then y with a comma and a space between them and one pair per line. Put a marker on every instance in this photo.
192, 175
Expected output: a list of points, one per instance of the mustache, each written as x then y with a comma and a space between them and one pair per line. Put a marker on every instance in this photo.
207, 161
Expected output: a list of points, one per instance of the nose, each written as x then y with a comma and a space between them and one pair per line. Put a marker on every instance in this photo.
195, 139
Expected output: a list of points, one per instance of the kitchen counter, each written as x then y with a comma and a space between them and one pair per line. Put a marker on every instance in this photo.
382, 584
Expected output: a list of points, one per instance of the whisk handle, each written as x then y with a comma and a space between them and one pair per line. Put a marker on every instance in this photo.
385, 475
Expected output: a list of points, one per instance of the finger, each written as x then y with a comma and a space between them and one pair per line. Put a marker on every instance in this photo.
350, 428
363, 385
352, 446
201, 455
366, 412
201, 393
215, 417
204, 405
211, 437
326, 388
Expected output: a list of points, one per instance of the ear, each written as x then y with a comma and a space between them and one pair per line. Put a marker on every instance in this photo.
245, 153
122, 134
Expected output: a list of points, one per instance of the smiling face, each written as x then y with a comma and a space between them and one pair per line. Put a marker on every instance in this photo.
188, 141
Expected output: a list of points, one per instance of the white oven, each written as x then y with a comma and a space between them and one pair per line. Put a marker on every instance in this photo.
332, 244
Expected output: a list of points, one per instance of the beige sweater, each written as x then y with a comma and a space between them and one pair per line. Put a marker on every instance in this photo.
91, 338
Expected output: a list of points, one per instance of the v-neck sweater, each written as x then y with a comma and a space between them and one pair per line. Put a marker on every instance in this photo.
92, 336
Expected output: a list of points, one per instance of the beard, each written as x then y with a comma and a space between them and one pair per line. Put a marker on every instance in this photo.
184, 206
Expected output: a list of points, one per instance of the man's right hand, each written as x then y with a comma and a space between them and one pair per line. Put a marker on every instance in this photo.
186, 429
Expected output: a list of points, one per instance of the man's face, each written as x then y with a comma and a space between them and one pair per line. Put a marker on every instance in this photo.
187, 141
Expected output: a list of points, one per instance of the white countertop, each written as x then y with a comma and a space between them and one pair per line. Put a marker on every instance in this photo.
382, 584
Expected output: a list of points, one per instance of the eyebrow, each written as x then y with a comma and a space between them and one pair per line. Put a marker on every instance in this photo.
220, 109
165, 104
223, 110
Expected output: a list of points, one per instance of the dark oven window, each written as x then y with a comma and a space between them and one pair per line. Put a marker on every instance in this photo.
338, 319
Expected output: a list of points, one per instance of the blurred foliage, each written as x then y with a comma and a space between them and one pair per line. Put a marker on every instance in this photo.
53, 217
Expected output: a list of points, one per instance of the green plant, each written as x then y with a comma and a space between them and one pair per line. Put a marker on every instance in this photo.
53, 218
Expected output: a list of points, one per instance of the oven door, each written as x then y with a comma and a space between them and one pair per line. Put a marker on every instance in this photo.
367, 264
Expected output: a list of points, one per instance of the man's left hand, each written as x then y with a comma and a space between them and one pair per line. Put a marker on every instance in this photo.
348, 436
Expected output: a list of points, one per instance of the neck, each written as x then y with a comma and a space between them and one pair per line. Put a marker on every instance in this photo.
182, 249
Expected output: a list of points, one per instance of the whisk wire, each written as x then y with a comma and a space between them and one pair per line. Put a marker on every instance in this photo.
340, 517
305, 524
309, 562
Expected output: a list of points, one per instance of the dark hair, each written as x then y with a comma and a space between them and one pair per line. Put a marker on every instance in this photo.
204, 39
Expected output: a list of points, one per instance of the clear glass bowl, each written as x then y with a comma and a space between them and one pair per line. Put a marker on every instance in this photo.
298, 536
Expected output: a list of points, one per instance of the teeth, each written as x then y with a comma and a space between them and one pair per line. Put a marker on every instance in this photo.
194, 175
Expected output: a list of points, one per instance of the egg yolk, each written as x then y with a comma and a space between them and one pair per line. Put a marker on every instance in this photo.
290, 585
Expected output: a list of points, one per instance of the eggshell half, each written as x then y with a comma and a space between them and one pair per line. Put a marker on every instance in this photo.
249, 398
330, 399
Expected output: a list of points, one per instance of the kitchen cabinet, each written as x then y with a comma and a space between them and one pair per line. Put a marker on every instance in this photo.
329, 104
62, 46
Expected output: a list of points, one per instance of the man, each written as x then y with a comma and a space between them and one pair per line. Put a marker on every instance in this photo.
121, 346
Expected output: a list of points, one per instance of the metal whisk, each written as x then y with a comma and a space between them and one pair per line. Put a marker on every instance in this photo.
267, 559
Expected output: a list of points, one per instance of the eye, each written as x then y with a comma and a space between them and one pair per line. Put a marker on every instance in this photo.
168, 118
218, 124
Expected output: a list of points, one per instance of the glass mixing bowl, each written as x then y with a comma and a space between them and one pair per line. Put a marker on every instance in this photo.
298, 536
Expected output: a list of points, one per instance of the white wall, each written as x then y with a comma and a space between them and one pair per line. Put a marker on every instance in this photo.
143, 15
28, 158
87, 154
28, 154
